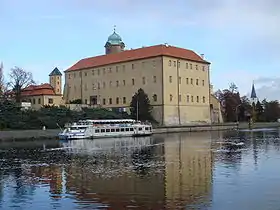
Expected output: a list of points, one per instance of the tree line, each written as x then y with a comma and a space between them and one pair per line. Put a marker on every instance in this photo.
241, 108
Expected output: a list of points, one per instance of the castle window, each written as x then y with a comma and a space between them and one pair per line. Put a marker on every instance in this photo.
155, 79
98, 85
123, 67
132, 66
110, 100
154, 63
169, 63
117, 69
143, 80
85, 101
174, 63
133, 82
123, 82
187, 65
39, 101
110, 70
104, 84
197, 99
188, 98
34, 101
191, 81
203, 68
104, 71
190, 66
117, 100
187, 81
104, 101
192, 98
50, 101
202, 82
170, 79
179, 80
203, 99
196, 67
85, 74
155, 97
117, 83
196, 82
124, 100
170, 97
69, 76
92, 72
57, 82
178, 64
98, 71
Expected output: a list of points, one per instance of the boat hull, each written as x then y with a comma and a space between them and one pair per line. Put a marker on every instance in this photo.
75, 137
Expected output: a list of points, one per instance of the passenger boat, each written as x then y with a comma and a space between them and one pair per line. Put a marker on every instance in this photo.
84, 129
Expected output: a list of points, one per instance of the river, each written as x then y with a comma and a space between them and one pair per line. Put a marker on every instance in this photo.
170, 171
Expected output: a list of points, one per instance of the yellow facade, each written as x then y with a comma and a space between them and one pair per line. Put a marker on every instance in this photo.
55, 82
43, 100
166, 83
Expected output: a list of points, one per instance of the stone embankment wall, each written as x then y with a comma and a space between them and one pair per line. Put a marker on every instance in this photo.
18, 135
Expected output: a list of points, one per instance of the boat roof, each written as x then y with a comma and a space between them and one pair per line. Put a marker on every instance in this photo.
108, 120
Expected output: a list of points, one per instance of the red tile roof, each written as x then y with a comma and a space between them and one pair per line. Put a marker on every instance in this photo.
35, 90
140, 53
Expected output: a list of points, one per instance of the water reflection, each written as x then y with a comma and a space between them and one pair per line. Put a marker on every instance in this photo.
174, 171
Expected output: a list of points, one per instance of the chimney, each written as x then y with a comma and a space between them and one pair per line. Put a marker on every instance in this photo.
202, 56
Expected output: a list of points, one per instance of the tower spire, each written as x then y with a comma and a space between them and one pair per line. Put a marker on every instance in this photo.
115, 28
253, 92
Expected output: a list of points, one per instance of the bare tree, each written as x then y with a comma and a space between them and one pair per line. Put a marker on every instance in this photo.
19, 79
233, 88
2, 82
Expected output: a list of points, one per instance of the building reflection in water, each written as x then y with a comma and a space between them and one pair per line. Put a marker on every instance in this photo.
188, 171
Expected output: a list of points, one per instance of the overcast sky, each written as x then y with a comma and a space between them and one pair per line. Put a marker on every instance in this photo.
240, 38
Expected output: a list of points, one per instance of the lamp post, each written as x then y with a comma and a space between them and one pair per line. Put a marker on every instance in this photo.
236, 114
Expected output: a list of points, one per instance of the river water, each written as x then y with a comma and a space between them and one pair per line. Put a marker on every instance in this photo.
174, 171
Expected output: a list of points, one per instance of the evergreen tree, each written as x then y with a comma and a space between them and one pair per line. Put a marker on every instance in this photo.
259, 112
140, 107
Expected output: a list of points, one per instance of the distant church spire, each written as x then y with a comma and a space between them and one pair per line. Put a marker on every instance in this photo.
253, 92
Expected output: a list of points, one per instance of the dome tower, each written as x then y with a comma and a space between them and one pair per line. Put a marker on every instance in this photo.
114, 44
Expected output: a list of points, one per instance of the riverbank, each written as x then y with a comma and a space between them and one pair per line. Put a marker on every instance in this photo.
19, 135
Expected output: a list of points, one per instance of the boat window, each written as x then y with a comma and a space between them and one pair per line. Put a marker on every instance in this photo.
97, 131
102, 130
122, 129
131, 129
107, 130
117, 130
113, 130
126, 129
140, 129
147, 128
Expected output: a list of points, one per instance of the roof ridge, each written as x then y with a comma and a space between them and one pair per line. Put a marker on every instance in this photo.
136, 54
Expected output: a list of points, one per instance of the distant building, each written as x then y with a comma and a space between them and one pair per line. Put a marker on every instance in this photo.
175, 79
43, 94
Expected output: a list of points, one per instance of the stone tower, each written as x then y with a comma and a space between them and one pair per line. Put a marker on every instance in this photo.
55, 81
114, 44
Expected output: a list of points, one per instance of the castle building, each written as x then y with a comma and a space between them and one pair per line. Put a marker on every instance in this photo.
176, 80
45, 94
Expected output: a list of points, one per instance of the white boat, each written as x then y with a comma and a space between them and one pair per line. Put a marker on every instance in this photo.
84, 129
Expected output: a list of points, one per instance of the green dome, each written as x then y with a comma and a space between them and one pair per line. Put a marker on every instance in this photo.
115, 39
